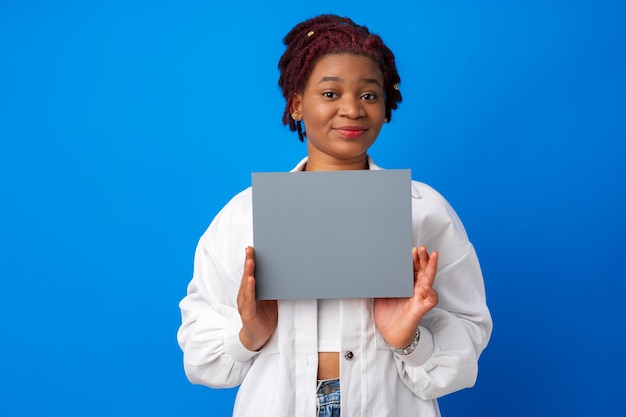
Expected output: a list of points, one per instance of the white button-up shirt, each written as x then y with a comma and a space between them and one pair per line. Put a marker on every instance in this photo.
280, 379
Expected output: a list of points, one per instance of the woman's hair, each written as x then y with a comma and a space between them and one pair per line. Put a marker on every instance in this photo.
331, 34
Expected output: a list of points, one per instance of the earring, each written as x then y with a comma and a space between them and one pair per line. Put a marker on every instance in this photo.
296, 115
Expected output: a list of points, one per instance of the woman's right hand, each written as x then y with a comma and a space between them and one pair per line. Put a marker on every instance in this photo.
259, 317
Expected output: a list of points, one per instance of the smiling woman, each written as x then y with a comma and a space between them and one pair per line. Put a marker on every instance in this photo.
323, 357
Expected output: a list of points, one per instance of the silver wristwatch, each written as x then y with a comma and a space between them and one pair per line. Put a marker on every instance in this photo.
409, 349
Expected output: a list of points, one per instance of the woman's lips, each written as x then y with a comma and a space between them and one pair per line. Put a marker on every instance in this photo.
351, 132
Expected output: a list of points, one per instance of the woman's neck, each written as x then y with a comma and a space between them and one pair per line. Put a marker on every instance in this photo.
330, 164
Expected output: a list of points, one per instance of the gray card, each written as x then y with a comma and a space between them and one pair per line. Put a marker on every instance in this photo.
337, 234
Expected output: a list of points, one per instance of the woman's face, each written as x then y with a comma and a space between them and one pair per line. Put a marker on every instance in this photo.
343, 109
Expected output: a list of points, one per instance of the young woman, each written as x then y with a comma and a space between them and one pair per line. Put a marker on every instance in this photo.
380, 357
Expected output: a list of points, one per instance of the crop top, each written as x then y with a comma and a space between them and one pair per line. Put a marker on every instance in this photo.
328, 319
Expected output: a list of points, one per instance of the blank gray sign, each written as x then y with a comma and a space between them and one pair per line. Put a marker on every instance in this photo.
338, 234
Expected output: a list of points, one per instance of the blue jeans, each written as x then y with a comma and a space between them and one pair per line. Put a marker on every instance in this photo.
328, 398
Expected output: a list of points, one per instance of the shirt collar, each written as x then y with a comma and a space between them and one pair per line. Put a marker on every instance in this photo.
302, 164
414, 192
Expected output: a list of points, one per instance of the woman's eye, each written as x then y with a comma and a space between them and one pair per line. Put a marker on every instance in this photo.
369, 96
329, 94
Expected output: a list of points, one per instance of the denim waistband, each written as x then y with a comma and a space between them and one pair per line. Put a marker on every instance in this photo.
328, 386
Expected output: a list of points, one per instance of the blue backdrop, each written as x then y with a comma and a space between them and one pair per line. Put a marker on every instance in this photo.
126, 125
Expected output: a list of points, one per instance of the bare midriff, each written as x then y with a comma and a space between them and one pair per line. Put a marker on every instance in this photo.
328, 365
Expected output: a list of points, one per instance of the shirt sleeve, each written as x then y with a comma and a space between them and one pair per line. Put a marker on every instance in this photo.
458, 329
213, 355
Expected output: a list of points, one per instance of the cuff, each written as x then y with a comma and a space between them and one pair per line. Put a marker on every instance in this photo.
234, 347
422, 352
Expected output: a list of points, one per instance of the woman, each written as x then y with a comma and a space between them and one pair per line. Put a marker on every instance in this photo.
382, 357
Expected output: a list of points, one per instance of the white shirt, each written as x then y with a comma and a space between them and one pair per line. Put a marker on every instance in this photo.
280, 380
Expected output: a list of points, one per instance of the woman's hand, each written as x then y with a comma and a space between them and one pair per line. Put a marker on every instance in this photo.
259, 318
397, 319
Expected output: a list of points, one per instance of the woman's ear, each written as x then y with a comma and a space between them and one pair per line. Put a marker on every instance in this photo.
296, 107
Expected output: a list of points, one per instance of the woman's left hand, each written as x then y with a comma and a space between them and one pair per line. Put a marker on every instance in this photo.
397, 319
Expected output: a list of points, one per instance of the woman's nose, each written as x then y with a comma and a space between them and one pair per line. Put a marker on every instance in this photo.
352, 107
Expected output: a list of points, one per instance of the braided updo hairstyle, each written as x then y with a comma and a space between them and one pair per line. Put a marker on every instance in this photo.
331, 34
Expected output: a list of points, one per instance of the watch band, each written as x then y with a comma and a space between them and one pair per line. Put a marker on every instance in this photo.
409, 349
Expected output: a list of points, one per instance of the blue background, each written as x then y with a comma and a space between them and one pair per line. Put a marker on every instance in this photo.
126, 125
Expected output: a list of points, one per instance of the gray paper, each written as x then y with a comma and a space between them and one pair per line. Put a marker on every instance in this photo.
337, 234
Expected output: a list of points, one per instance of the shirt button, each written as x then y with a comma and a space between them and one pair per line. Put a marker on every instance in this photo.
349, 355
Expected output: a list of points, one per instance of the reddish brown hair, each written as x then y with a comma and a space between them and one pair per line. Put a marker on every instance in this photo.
331, 34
